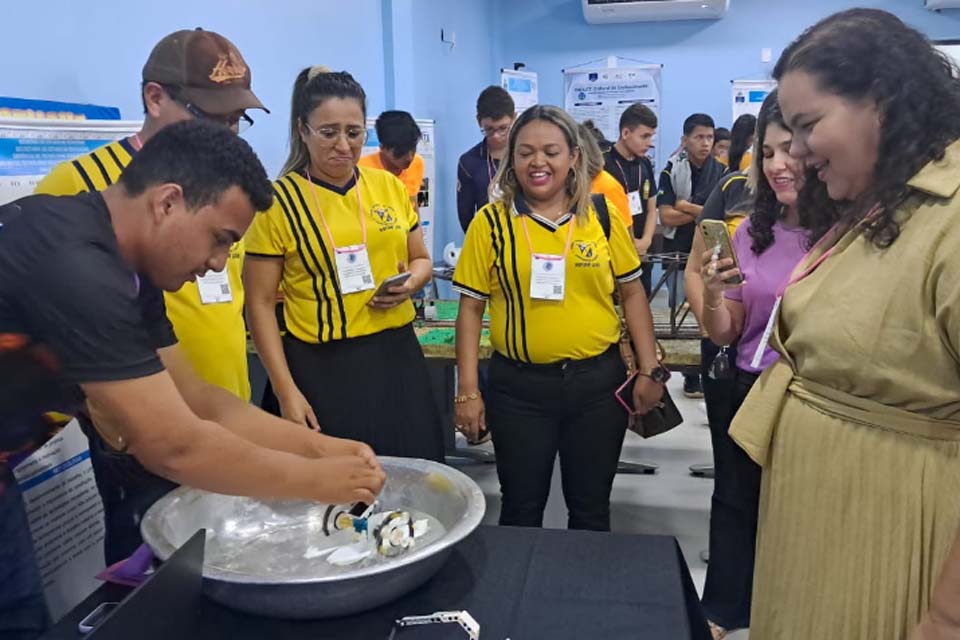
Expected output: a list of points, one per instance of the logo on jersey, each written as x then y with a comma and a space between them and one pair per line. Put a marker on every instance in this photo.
585, 251
385, 216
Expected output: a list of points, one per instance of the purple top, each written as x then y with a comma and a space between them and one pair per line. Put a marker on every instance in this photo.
765, 275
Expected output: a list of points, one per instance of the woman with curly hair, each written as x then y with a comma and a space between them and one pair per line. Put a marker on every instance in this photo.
769, 244
857, 424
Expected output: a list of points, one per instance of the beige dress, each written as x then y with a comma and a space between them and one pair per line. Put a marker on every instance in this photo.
857, 428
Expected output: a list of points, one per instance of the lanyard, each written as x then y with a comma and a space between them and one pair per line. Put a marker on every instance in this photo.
626, 183
316, 201
826, 254
137, 142
526, 232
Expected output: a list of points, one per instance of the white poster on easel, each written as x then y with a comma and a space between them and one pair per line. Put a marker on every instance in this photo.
426, 149
66, 518
522, 87
29, 148
603, 94
748, 96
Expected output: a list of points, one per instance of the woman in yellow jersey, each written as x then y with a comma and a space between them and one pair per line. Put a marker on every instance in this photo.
350, 362
539, 254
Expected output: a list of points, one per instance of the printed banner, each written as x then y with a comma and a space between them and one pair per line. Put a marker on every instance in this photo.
522, 87
748, 96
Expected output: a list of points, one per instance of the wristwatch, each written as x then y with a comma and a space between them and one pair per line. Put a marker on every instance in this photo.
657, 374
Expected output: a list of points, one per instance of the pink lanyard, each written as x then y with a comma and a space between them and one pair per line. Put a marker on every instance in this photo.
316, 201
526, 232
626, 183
826, 254
137, 142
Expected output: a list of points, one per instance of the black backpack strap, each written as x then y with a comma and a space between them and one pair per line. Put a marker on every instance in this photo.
603, 214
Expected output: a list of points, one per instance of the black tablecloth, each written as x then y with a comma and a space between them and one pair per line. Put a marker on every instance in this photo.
518, 583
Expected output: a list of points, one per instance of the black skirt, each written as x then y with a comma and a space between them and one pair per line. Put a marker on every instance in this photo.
375, 389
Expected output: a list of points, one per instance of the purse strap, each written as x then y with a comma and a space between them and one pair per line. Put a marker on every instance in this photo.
627, 354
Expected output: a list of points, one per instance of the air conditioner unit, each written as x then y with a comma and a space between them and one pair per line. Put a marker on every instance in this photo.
937, 5
607, 11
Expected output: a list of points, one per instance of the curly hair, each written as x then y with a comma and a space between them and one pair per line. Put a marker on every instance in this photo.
868, 54
767, 210
205, 159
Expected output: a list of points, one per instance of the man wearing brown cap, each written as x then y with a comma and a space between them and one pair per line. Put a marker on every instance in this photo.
190, 74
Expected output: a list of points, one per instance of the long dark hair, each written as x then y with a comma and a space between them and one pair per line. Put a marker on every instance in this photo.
871, 54
766, 208
740, 139
312, 87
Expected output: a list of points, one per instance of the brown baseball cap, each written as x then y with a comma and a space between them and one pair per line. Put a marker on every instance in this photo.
206, 67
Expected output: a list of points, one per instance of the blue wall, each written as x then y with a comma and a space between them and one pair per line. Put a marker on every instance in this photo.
700, 58
94, 51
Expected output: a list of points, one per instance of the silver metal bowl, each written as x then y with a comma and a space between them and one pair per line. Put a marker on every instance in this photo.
268, 573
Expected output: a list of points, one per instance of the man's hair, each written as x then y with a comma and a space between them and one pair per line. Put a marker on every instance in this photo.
720, 134
637, 114
697, 120
205, 159
494, 103
398, 132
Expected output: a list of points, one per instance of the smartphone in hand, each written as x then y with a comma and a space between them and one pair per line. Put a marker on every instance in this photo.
389, 283
717, 236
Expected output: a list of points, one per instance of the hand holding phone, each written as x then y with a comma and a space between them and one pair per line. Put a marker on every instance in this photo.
719, 262
383, 298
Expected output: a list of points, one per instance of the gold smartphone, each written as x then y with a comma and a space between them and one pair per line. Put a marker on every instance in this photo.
716, 234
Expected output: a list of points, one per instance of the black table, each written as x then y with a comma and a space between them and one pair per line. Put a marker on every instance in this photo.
518, 583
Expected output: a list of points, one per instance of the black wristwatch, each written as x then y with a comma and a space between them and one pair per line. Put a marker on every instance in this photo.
657, 374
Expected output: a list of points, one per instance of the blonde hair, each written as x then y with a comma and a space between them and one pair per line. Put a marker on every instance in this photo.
577, 183
312, 86
590, 148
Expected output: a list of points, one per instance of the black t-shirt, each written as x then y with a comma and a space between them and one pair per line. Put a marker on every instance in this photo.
71, 311
634, 175
730, 199
702, 182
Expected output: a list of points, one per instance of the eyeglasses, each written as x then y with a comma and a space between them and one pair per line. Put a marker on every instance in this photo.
238, 123
330, 136
501, 131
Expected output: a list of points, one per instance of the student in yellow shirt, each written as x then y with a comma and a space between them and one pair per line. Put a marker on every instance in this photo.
398, 135
190, 74
554, 329
350, 362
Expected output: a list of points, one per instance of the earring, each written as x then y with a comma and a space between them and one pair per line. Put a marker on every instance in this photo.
572, 180
511, 176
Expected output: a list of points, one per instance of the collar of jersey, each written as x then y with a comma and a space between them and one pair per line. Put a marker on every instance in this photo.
520, 206
344, 190
619, 157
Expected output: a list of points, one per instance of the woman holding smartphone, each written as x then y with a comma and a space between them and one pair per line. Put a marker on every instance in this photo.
768, 245
350, 362
540, 256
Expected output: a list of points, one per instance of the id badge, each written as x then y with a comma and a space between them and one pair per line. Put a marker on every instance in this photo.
353, 269
214, 287
636, 203
547, 276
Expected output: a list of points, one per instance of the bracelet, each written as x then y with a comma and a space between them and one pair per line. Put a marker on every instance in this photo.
466, 398
716, 308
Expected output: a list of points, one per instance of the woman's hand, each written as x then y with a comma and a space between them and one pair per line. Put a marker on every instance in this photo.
335, 447
396, 294
715, 273
470, 419
646, 394
295, 408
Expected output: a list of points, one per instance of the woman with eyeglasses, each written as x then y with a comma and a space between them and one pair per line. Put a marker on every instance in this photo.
350, 363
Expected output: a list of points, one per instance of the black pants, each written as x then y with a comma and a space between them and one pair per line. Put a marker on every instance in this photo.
733, 513
535, 412
375, 389
127, 490
23, 609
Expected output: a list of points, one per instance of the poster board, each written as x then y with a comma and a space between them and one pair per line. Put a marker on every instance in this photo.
748, 96
603, 94
522, 87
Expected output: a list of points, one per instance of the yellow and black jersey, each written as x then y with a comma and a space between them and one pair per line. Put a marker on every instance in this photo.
731, 201
495, 265
315, 310
213, 336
